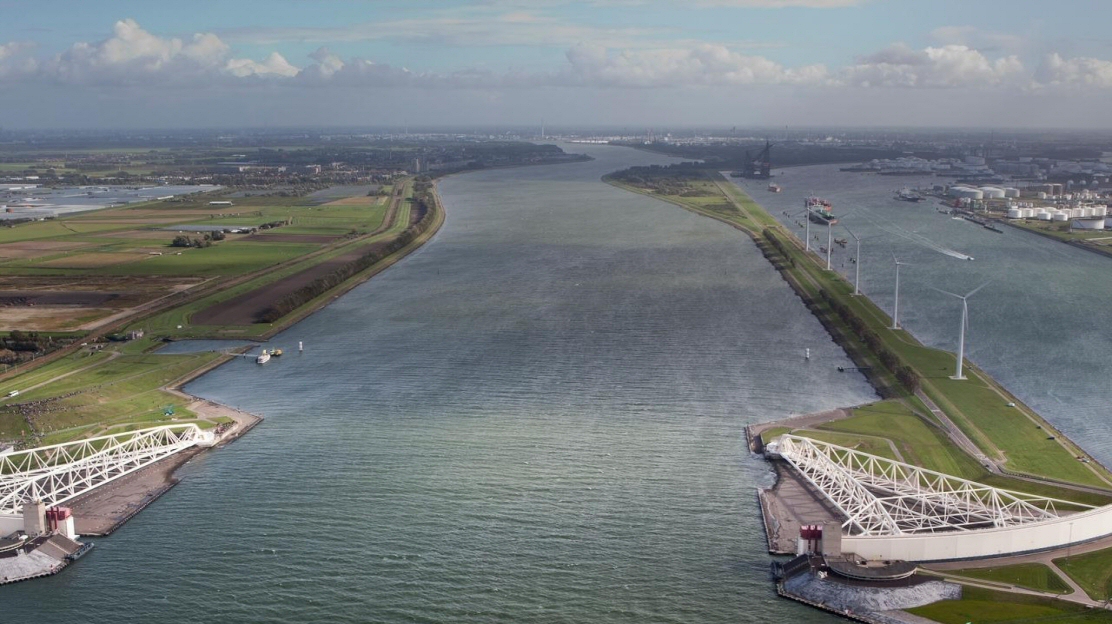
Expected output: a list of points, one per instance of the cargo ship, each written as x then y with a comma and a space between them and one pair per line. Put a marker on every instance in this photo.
908, 195
820, 211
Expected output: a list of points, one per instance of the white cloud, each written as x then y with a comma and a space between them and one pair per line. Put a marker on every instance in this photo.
702, 65
15, 59
133, 55
979, 38
274, 65
934, 67
1080, 71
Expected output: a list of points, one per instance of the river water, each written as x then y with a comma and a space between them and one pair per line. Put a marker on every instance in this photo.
537, 417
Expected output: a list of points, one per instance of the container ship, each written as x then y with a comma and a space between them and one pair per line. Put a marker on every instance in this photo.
820, 211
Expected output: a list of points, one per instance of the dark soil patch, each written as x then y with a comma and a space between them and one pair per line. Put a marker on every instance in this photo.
39, 297
246, 309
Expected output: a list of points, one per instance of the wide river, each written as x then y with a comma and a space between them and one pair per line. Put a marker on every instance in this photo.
537, 417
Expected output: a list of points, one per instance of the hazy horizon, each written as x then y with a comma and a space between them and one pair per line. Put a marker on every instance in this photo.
606, 63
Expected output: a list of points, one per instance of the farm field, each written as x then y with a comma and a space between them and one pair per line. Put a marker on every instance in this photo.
143, 273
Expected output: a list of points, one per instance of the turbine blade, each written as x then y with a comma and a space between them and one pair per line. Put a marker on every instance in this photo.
946, 292
974, 291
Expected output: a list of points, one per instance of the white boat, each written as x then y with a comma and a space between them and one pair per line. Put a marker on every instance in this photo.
263, 357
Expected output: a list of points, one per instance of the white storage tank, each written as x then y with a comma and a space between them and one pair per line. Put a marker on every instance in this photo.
1061, 215
1086, 212
1088, 224
1015, 213
1029, 213
1100, 211
1043, 215
992, 192
1011, 192
1077, 212
966, 192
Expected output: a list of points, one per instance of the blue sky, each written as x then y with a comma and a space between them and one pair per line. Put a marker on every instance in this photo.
746, 62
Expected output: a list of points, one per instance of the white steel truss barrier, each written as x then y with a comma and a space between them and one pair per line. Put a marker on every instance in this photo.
880, 496
55, 474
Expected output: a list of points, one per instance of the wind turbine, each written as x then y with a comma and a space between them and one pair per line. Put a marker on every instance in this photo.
857, 261
964, 319
830, 239
896, 306
807, 231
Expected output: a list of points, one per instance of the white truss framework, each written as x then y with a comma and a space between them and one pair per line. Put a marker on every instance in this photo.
55, 474
880, 496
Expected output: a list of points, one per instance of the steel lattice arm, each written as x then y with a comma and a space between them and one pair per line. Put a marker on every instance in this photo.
880, 496
55, 474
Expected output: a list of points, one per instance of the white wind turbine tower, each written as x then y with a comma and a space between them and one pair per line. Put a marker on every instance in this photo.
857, 261
830, 239
807, 230
896, 306
964, 319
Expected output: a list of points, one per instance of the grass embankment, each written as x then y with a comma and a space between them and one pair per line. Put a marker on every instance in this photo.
94, 393
1014, 436
892, 429
1092, 571
984, 605
1034, 576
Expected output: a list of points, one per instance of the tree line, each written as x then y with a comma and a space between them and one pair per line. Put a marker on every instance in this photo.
904, 374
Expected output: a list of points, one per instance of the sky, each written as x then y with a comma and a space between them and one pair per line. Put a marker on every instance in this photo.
626, 63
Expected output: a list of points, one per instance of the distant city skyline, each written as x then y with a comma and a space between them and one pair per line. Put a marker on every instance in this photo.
124, 64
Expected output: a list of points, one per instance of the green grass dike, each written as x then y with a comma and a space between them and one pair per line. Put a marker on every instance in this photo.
1092, 571
984, 605
1034, 576
900, 367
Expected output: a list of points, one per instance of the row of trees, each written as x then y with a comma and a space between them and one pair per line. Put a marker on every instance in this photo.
182, 240
778, 245
907, 377
376, 253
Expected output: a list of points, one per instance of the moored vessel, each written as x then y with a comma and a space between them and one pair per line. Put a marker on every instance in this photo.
820, 211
